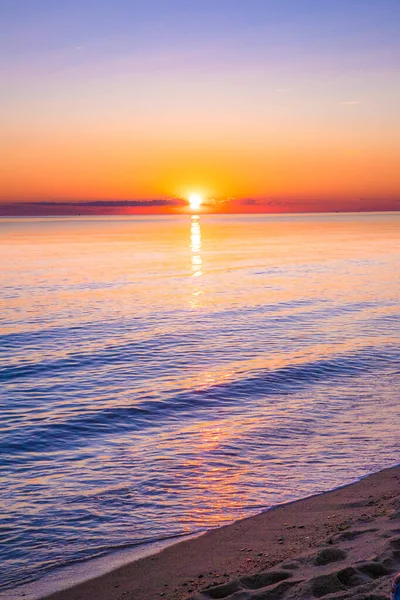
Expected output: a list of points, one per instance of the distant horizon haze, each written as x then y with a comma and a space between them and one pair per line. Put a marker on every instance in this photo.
179, 206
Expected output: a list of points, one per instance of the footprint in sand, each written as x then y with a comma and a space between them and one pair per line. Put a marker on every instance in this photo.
317, 577
329, 555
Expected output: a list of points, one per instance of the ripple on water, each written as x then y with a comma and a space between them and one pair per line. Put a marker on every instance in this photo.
141, 402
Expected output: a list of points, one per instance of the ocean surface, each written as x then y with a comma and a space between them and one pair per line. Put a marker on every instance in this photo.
165, 375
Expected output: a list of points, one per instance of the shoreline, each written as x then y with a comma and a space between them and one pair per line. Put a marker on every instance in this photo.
183, 567
81, 571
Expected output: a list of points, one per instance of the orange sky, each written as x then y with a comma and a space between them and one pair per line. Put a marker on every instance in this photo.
260, 116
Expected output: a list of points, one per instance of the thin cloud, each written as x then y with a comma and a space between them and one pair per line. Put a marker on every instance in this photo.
112, 203
266, 202
350, 102
88, 207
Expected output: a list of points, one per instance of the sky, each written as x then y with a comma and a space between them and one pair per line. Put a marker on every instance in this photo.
257, 105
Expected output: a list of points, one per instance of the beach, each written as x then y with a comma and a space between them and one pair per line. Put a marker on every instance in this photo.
341, 544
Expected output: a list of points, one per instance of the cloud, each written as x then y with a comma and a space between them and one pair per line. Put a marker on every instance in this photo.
112, 203
249, 202
350, 102
88, 207
266, 202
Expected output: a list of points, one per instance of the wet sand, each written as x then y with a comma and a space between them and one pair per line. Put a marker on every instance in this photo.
340, 544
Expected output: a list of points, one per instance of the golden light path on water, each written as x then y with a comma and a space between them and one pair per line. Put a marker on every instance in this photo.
197, 262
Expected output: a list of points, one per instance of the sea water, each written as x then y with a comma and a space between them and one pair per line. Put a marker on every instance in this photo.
164, 375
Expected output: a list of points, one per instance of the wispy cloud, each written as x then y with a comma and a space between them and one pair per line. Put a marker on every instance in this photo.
350, 102
266, 202
111, 203
88, 207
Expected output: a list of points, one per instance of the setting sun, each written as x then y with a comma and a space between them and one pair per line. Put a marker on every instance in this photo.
195, 201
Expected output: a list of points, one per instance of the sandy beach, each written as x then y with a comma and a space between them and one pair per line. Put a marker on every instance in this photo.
340, 544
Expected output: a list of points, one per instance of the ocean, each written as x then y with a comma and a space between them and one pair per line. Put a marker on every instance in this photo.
165, 375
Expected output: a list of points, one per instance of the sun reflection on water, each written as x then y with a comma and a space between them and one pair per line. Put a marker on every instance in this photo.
217, 483
196, 259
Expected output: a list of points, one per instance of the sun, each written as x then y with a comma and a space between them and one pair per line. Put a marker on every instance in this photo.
195, 201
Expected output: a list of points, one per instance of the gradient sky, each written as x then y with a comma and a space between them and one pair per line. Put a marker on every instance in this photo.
258, 104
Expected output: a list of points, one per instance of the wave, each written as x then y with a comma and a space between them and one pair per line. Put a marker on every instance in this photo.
119, 352
151, 410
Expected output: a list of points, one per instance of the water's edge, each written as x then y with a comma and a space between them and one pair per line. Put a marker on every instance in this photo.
80, 572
